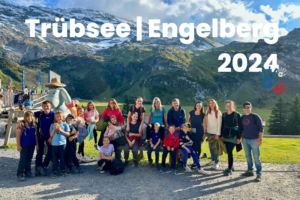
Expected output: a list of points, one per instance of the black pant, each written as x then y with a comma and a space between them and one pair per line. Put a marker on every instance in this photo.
100, 142
70, 156
230, 146
149, 152
173, 157
197, 147
26, 155
161, 131
105, 164
117, 151
58, 153
39, 156
81, 149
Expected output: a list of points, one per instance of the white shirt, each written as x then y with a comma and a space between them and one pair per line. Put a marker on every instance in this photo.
25, 91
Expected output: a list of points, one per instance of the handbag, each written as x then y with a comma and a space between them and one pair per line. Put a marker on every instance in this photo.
238, 147
117, 134
119, 138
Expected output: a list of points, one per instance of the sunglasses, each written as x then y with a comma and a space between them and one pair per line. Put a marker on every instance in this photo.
112, 102
156, 101
198, 101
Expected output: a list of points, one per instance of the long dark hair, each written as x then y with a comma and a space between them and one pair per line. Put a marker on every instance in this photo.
202, 109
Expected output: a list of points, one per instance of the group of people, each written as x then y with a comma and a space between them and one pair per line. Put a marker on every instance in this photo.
167, 130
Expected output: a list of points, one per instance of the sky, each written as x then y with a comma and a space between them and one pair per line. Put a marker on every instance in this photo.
284, 12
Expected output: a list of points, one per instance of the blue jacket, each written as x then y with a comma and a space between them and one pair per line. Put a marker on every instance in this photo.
28, 103
176, 118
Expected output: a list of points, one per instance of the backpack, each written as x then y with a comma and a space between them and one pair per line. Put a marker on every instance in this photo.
235, 117
133, 108
254, 119
120, 138
102, 123
117, 167
176, 133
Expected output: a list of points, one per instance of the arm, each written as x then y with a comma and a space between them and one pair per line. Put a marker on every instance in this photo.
177, 142
150, 118
240, 127
128, 119
96, 119
65, 132
143, 120
189, 117
121, 118
219, 122
158, 142
104, 157
222, 126
104, 113
151, 144
19, 132
183, 119
165, 120
37, 144
169, 120
52, 130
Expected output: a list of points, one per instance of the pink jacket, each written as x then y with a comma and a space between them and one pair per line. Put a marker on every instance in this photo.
110, 130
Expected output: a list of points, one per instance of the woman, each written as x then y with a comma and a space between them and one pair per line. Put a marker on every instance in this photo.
112, 109
212, 128
91, 117
230, 132
176, 115
196, 117
140, 110
157, 115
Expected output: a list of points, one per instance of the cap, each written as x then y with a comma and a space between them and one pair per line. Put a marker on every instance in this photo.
247, 103
70, 115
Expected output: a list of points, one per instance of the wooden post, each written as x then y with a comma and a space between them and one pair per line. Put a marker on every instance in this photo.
8, 129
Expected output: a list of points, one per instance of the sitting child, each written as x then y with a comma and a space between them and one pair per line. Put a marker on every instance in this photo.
112, 127
105, 155
154, 145
186, 148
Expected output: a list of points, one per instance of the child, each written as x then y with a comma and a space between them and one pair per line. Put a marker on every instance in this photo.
154, 145
105, 155
171, 144
71, 147
91, 116
133, 139
82, 133
112, 127
186, 148
26, 141
59, 131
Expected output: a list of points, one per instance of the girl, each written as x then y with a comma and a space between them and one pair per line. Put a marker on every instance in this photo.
196, 117
212, 127
91, 116
157, 115
140, 110
26, 141
105, 155
112, 109
154, 145
133, 139
230, 132
112, 127
59, 131
82, 133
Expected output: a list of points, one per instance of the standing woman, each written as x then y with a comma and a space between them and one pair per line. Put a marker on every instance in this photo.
91, 116
196, 117
230, 132
157, 115
140, 110
212, 127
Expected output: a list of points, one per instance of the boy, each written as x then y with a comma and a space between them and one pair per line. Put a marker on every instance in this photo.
45, 119
28, 103
171, 144
154, 145
186, 147
70, 156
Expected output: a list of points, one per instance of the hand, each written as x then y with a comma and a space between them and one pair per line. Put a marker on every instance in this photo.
152, 145
267, 78
216, 137
2, 106
112, 158
130, 135
127, 128
187, 150
19, 148
279, 88
168, 148
178, 129
37, 147
70, 139
130, 144
222, 139
258, 142
204, 136
187, 137
238, 141
50, 140
172, 149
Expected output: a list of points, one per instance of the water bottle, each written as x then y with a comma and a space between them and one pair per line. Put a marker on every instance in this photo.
263, 123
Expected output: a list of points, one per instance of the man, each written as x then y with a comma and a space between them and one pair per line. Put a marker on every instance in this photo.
28, 103
26, 95
21, 107
252, 139
176, 115
45, 119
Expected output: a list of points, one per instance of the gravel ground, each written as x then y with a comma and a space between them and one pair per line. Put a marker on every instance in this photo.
278, 182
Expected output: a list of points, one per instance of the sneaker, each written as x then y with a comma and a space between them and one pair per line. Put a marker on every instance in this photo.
193, 166
64, 173
157, 166
135, 163
125, 163
96, 146
227, 172
248, 173
74, 171
210, 163
162, 169
79, 156
80, 170
42, 171
20, 177
201, 171
102, 171
215, 166
83, 159
232, 169
258, 178
29, 174
54, 175
187, 169
204, 155
174, 172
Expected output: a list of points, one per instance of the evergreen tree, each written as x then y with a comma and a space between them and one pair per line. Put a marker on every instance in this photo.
126, 106
278, 118
293, 125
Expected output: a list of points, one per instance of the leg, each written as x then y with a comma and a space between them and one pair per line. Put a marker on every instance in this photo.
40, 153
173, 155
68, 156
29, 158
230, 146
197, 148
49, 154
62, 150
126, 151
247, 149
75, 161
256, 155
149, 154
185, 156
135, 150
162, 133
148, 132
96, 135
117, 151
55, 158
81, 149
212, 152
22, 162
157, 154
163, 160
195, 157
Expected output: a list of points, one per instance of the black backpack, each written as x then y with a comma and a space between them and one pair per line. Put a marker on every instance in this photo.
117, 167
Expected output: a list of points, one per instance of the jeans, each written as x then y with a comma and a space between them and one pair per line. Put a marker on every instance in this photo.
26, 155
150, 149
193, 154
197, 147
58, 153
214, 157
135, 150
230, 146
105, 164
250, 147
173, 155
39, 156
81, 149
149, 130
70, 155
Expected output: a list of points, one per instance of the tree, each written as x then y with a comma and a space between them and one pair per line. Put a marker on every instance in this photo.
293, 125
126, 106
278, 118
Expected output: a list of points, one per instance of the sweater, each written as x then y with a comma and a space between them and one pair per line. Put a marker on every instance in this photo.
213, 124
176, 118
111, 130
183, 140
171, 140
116, 113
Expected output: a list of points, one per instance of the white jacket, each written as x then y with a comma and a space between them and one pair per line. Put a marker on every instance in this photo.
213, 125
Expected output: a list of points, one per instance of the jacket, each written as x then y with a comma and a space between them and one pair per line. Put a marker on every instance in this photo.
170, 140
183, 140
217, 145
116, 113
176, 118
28, 103
111, 130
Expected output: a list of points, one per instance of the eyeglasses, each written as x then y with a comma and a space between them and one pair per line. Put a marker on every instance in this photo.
112, 102
156, 101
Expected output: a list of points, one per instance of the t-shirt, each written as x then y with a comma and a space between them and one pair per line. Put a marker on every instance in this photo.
157, 116
106, 151
250, 128
81, 121
155, 137
196, 122
59, 139
134, 128
25, 91
140, 111
91, 115
28, 136
47, 120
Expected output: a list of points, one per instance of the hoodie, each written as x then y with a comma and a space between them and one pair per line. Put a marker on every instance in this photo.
176, 118
171, 140
183, 140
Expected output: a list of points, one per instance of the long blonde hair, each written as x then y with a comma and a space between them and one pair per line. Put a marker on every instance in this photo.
153, 105
216, 105
28, 114
59, 112
231, 103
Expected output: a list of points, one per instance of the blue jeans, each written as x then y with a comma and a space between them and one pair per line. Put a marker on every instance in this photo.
58, 153
150, 149
250, 147
214, 156
193, 154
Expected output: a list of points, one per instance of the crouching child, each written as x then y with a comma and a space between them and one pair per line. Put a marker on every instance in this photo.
106, 155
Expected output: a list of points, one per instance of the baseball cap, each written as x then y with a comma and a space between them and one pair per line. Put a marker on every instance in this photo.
247, 103
70, 115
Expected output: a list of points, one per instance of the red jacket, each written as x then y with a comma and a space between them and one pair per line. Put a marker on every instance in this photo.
172, 141
116, 113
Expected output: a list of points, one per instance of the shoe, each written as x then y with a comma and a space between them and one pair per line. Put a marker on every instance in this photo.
193, 166
80, 170
83, 159
29, 174
74, 171
102, 171
174, 172
157, 166
150, 163
227, 172
210, 163
54, 175
162, 169
187, 169
20, 177
215, 166
64, 173
201, 171
204, 155
146, 145
125, 163
78, 156
258, 178
135, 163
232, 169
96, 146
42, 171
248, 173
37, 173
